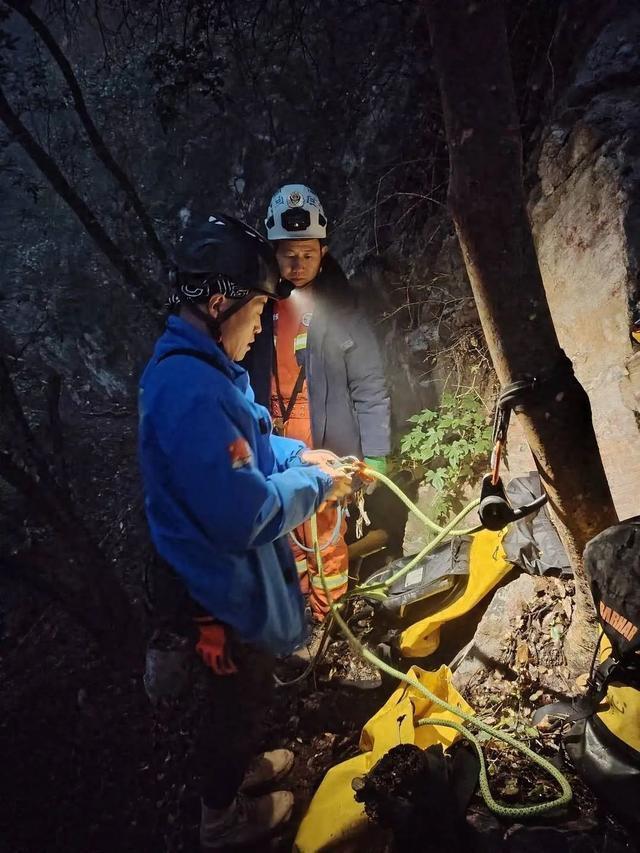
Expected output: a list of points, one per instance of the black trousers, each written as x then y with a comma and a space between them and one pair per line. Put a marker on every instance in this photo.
232, 710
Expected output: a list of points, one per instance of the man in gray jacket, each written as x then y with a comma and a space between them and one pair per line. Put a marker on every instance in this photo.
327, 385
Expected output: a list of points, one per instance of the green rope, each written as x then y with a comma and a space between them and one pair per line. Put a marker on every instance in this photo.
379, 590
513, 812
435, 528
517, 812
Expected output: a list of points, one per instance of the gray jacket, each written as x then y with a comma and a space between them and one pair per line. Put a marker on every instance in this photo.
349, 401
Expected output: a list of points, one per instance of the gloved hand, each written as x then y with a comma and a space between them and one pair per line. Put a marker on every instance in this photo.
213, 646
376, 463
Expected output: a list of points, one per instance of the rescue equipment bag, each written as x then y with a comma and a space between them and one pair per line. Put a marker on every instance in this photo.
604, 744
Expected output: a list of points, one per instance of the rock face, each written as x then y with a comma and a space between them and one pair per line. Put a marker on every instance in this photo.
584, 178
520, 640
496, 624
416, 535
586, 222
194, 135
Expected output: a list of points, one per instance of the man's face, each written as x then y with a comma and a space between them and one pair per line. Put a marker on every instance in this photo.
240, 330
299, 260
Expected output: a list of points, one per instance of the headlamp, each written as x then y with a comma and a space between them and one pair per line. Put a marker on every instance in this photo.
296, 219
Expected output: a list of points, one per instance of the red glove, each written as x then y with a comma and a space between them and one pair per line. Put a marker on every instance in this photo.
213, 646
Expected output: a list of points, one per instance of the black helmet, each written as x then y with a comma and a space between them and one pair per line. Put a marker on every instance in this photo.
223, 255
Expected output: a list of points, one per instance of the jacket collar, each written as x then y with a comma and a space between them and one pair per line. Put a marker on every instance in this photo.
180, 334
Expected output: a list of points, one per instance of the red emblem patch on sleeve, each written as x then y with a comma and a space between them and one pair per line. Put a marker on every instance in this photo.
240, 453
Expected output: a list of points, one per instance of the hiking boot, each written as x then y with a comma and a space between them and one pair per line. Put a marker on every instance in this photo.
246, 821
310, 649
267, 768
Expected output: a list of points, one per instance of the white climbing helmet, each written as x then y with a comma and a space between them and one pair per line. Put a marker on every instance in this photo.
295, 213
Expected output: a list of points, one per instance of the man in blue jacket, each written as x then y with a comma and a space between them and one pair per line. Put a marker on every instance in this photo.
221, 495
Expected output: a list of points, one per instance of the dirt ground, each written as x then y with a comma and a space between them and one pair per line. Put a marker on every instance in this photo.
88, 766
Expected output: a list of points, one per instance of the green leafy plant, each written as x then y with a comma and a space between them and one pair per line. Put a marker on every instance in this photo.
453, 445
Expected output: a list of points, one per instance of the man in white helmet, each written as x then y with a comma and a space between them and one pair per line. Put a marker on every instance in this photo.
327, 383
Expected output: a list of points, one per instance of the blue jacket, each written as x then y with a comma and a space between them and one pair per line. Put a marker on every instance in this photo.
222, 492
348, 397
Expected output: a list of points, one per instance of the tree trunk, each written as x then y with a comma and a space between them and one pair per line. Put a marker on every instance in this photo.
98, 143
86, 216
487, 202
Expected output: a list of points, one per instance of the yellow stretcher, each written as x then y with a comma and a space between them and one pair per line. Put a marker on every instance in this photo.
487, 566
334, 817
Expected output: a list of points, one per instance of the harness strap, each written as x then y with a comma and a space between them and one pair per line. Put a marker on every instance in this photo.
286, 410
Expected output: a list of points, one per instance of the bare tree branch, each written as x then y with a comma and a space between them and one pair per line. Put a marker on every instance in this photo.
99, 145
96, 231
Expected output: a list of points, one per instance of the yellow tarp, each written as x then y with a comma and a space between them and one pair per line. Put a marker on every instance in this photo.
487, 566
334, 816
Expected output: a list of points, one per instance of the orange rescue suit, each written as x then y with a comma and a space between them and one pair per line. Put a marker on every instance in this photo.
291, 325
